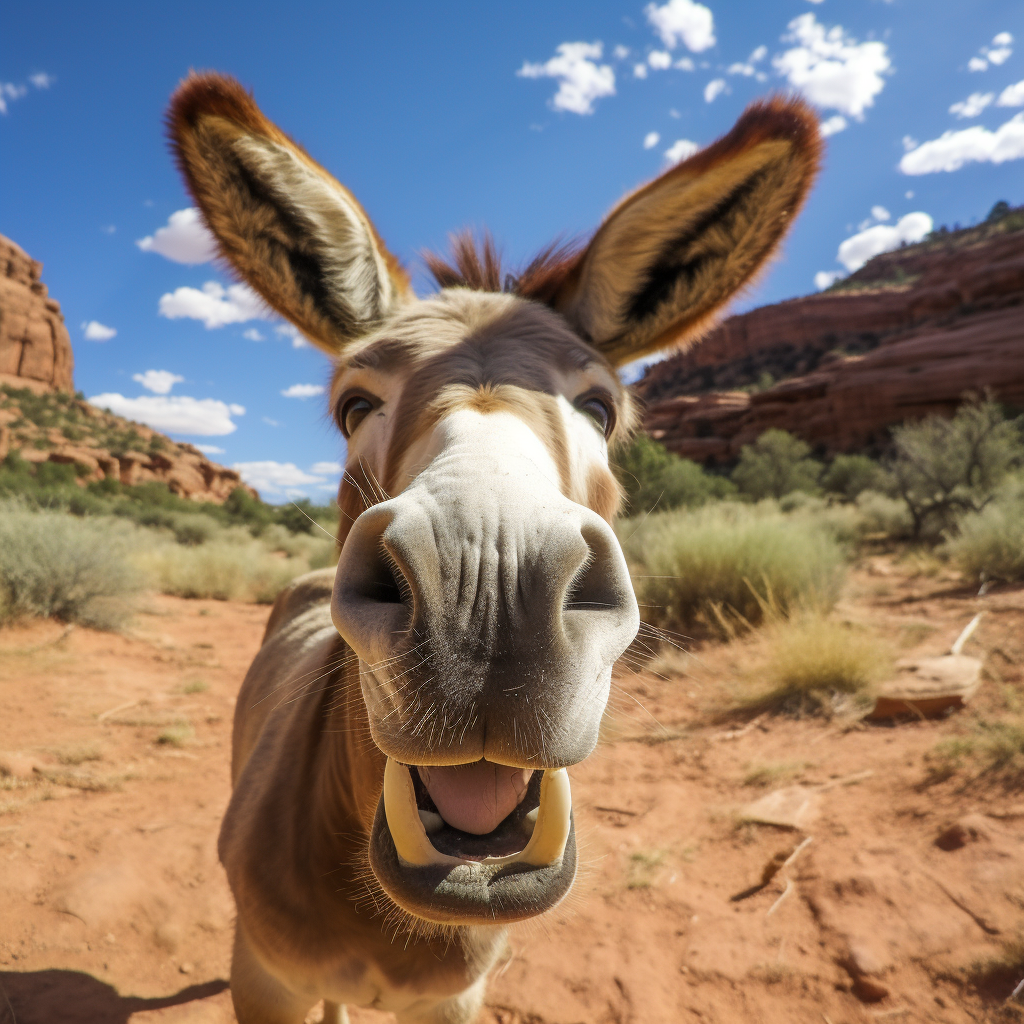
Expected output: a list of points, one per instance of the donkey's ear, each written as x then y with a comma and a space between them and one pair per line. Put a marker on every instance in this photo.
291, 231
669, 256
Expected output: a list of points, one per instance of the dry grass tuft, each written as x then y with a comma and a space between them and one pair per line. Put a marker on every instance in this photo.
643, 868
993, 748
772, 773
816, 665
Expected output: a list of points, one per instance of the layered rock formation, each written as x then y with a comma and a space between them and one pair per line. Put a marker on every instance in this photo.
909, 334
35, 350
42, 421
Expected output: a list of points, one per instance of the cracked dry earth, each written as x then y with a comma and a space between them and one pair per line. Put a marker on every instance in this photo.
113, 908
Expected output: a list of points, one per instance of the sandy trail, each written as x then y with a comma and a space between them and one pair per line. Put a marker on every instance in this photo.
113, 907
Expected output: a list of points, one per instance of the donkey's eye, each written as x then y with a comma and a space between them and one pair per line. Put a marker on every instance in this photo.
353, 412
600, 411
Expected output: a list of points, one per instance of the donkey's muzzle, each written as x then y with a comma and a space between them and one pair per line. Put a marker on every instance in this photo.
486, 622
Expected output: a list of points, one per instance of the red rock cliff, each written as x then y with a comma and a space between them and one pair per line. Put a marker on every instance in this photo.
35, 350
909, 334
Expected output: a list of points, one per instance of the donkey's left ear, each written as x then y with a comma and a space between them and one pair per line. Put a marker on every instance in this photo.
670, 256
292, 232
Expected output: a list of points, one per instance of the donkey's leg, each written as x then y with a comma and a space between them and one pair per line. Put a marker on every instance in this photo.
460, 1009
335, 1013
259, 998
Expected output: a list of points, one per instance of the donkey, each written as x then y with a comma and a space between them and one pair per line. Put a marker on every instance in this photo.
401, 740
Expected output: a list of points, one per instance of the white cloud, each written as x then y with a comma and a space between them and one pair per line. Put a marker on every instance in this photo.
834, 124
270, 422
740, 69
858, 249
973, 105
826, 278
177, 414
685, 64
273, 477
713, 89
209, 449
998, 53
909, 194
9, 91
659, 59
184, 239
680, 150
639, 70
303, 390
620, 52
109, 229
951, 150
299, 340
580, 80
683, 21
816, 1
651, 139
253, 335
880, 213
831, 68
95, 331
909, 143
159, 382
326, 468
759, 54
215, 305
42, 80
1012, 95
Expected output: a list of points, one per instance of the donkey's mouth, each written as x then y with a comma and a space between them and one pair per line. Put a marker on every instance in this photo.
521, 866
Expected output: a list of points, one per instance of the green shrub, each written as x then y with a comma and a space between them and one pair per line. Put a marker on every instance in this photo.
76, 570
847, 476
774, 465
728, 563
653, 477
880, 514
990, 543
943, 468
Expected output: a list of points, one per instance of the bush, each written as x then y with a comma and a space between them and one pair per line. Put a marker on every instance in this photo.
227, 569
815, 664
653, 477
76, 570
774, 465
847, 476
990, 543
720, 566
880, 514
945, 468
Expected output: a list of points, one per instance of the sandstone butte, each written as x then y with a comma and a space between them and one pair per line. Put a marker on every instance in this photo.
909, 334
35, 353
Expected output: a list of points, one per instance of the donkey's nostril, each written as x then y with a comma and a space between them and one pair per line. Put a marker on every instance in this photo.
387, 582
596, 585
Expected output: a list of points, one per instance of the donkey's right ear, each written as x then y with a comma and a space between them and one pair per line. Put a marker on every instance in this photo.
291, 231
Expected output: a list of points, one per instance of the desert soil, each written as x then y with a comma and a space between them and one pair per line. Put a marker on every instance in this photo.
113, 907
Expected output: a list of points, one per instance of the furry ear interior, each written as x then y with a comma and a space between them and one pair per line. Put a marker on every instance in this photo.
289, 229
670, 255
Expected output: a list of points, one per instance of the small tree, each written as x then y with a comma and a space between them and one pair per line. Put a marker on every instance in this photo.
655, 478
777, 463
945, 467
849, 475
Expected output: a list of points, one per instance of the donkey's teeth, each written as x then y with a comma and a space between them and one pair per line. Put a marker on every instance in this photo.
431, 822
554, 820
530, 820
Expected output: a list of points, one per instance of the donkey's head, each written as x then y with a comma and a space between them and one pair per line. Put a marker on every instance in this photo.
480, 583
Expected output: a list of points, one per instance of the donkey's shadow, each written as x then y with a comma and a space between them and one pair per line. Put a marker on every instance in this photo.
73, 997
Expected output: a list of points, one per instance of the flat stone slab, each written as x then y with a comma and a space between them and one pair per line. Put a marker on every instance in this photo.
928, 686
789, 807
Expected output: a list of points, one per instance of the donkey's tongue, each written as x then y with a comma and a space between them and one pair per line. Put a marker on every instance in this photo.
475, 797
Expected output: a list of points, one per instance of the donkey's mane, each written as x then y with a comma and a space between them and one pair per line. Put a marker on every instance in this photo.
476, 263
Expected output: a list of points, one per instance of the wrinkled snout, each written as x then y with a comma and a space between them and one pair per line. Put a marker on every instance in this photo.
487, 620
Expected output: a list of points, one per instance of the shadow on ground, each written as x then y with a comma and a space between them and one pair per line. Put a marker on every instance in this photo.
72, 997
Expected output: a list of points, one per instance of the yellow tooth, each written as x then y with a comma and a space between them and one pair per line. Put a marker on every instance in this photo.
404, 821
551, 832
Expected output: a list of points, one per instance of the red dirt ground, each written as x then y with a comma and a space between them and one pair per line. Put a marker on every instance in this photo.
114, 776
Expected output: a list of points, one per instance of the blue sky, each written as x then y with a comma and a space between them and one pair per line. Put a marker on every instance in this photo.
530, 119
